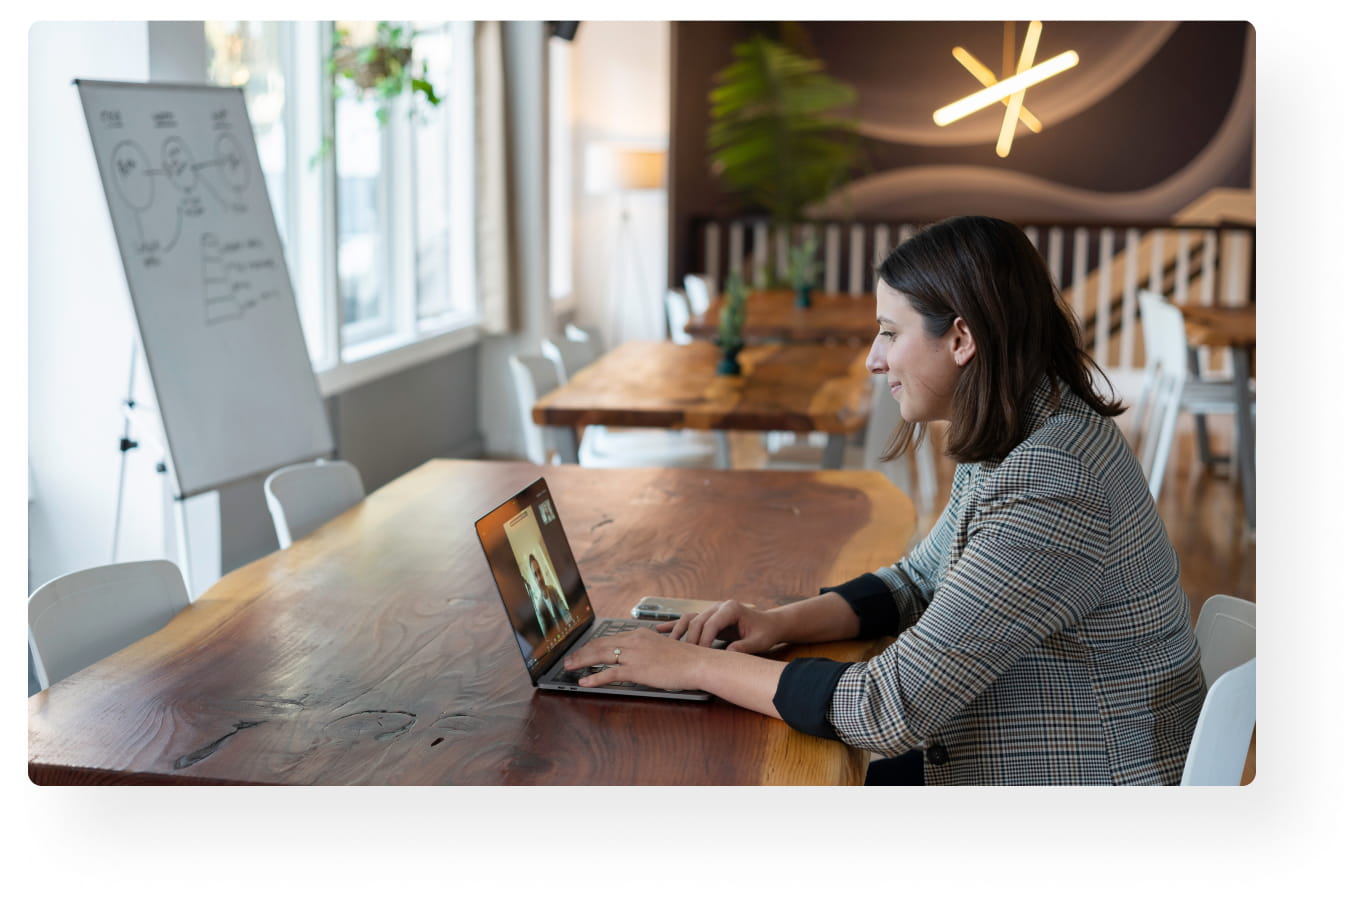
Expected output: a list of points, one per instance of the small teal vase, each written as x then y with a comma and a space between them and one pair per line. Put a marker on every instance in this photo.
729, 361
803, 296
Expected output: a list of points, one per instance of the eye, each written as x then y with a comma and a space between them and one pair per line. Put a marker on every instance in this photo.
887, 333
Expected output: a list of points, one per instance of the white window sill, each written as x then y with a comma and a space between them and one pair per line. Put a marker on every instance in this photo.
386, 356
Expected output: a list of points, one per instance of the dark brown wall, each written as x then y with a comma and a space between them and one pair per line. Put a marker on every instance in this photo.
1139, 143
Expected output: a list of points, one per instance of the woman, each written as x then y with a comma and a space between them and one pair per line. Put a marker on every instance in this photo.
549, 605
1043, 636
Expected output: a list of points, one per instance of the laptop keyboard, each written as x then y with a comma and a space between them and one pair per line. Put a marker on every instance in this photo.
605, 628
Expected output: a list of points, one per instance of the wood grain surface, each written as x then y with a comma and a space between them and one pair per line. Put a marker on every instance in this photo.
1219, 327
375, 651
795, 388
773, 314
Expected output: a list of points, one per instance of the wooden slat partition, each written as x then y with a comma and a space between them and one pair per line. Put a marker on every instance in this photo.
1098, 266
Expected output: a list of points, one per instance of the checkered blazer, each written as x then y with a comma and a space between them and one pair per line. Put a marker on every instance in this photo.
1043, 633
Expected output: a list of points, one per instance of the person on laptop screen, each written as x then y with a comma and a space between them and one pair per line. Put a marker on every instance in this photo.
551, 612
1041, 632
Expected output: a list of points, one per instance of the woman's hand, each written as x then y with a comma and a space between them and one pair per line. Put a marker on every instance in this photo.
757, 630
645, 656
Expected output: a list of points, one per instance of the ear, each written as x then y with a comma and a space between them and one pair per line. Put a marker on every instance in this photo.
963, 342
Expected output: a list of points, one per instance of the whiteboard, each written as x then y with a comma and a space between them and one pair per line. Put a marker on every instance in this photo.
206, 274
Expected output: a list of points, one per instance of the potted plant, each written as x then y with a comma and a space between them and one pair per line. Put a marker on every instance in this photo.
381, 68
803, 268
730, 328
776, 137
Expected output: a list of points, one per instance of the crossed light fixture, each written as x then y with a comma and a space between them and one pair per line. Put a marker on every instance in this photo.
1010, 90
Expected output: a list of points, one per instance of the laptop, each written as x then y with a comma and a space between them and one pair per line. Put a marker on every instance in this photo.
544, 596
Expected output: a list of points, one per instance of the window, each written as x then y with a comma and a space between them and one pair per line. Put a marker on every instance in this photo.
378, 223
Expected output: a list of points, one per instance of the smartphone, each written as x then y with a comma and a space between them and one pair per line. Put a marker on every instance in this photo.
654, 607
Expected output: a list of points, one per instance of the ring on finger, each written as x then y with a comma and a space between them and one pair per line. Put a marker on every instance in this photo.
616, 652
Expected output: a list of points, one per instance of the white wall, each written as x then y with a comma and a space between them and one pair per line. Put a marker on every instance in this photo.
621, 72
80, 321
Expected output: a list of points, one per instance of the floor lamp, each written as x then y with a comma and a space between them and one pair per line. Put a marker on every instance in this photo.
622, 171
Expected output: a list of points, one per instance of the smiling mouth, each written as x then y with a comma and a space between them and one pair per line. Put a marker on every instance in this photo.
894, 387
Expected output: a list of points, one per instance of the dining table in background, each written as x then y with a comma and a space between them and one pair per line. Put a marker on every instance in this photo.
1233, 328
375, 650
772, 314
797, 387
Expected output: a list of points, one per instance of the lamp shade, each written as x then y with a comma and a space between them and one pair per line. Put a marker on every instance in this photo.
611, 168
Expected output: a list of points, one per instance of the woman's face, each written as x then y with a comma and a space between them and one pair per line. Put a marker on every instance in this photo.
921, 370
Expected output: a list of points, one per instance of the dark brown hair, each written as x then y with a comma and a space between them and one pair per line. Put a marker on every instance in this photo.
987, 272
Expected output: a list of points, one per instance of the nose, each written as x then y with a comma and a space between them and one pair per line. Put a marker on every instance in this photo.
876, 361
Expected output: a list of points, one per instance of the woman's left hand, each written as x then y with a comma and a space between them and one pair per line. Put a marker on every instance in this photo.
645, 656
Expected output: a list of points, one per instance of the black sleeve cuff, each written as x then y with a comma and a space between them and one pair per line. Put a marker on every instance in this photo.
804, 691
870, 600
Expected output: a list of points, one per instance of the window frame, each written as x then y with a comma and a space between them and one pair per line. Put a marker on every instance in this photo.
344, 356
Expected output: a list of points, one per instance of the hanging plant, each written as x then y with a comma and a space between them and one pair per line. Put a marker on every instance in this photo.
775, 138
382, 70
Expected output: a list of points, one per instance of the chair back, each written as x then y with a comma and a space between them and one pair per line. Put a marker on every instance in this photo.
1166, 371
1217, 753
533, 377
589, 336
679, 312
1226, 634
567, 355
882, 419
699, 292
76, 619
301, 497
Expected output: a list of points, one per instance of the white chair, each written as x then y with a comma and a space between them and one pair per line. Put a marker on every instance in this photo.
1217, 753
76, 619
679, 312
882, 420
1199, 396
700, 292
301, 497
1226, 634
1167, 370
592, 337
568, 355
535, 375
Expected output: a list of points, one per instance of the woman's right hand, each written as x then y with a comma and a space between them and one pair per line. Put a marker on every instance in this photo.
758, 630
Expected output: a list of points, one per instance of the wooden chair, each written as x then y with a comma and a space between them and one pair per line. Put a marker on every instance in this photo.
81, 617
301, 497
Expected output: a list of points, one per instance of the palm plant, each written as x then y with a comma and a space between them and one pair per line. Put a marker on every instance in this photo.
774, 135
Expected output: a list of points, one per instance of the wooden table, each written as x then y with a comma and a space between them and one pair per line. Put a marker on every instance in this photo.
1232, 328
782, 388
773, 314
375, 650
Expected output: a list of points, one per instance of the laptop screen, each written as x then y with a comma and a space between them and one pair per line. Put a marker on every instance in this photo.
536, 575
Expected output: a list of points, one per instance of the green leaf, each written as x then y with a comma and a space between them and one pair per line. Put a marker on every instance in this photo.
776, 132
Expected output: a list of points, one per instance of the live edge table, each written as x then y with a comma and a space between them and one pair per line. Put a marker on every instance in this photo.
772, 314
659, 384
375, 650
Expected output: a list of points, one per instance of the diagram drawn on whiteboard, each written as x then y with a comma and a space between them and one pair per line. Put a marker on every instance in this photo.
166, 198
